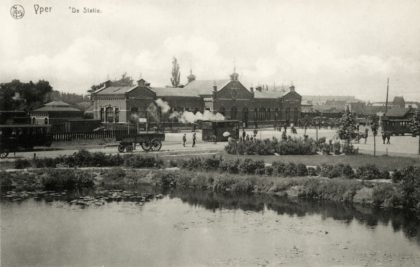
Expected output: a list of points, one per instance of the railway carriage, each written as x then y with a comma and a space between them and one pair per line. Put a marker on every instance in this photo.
23, 136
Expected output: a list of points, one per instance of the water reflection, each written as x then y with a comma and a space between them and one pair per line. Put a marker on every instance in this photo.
370, 217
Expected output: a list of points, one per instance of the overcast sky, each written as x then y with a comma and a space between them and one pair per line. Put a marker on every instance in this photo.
325, 47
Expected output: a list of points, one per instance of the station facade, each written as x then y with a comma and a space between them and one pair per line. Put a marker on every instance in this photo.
119, 103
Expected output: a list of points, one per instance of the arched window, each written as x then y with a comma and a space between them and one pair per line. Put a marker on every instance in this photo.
276, 114
102, 117
46, 121
262, 114
117, 114
233, 113
268, 114
295, 115
245, 115
33, 120
109, 114
287, 114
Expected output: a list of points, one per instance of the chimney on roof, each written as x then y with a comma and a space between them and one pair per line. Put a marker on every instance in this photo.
258, 88
292, 88
191, 77
107, 83
142, 83
214, 87
252, 89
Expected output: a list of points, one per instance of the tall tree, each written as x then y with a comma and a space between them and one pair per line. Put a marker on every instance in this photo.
25, 96
347, 129
176, 74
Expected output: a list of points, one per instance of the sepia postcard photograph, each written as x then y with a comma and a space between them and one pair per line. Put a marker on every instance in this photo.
209, 133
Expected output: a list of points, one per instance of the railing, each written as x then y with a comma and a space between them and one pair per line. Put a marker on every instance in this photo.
86, 135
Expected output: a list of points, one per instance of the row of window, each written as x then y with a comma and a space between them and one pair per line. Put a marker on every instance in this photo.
110, 114
262, 114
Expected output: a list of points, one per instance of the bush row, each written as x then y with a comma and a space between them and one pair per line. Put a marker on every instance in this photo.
84, 158
288, 146
282, 169
48, 179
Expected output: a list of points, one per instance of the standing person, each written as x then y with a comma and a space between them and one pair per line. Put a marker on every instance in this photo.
243, 134
383, 137
194, 139
388, 138
184, 139
366, 134
255, 133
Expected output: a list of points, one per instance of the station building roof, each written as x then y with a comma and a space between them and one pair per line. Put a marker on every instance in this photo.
55, 106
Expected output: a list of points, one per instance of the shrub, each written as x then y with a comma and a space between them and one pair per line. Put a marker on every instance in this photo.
278, 168
22, 164
5, 181
113, 176
396, 176
173, 163
385, 195
348, 171
212, 163
66, 179
336, 171
337, 148
312, 171
410, 187
192, 163
288, 146
301, 170
138, 161
325, 170
268, 170
349, 149
165, 179
290, 169
249, 166
385, 175
335, 190
230, 166
368, 172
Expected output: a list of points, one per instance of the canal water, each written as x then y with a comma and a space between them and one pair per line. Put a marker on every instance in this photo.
205, 229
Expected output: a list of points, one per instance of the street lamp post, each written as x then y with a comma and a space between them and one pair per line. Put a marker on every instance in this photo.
375, 132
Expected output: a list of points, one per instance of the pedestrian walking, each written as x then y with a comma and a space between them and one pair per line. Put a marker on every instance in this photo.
194, 139
184, 139
388, 138
383, 137
366, 134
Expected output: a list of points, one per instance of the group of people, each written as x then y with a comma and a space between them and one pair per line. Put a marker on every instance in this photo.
194, 139
386, 137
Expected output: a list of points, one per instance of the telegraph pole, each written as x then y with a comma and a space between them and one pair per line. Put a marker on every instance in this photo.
387, 92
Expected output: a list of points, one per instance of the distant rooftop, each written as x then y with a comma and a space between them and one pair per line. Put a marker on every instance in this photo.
55, 106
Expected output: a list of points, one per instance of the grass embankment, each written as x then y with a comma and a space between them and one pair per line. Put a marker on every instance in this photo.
382, 162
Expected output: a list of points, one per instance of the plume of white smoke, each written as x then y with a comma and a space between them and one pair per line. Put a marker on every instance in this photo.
189, 117
164, 106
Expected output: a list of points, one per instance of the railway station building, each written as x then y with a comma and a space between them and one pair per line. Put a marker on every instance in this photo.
119, 103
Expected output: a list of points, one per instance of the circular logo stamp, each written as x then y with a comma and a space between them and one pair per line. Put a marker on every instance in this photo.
17, 11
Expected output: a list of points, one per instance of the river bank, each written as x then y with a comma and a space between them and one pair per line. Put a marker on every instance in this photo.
114, 184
